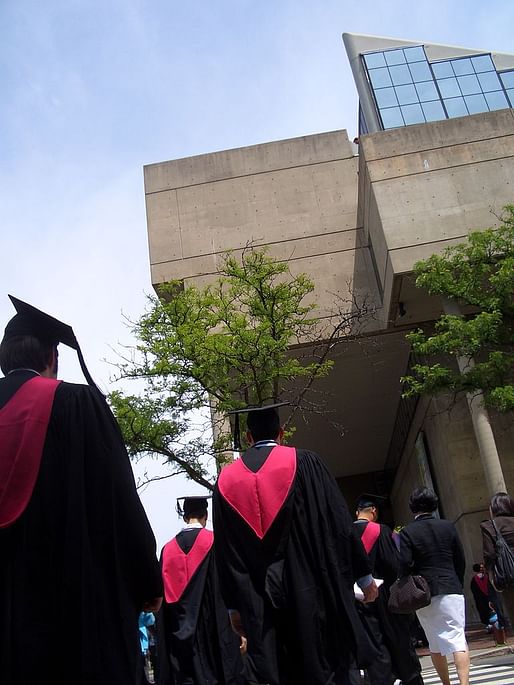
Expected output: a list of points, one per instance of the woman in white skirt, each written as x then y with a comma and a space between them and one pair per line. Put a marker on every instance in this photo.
430, 547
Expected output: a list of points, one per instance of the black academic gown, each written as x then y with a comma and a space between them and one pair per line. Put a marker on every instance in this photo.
294, 587
78, 564
390, 632
199, 644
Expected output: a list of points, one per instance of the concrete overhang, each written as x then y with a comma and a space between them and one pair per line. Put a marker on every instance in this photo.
423, 188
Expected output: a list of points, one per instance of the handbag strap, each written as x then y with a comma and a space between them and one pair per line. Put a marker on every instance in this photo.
499, 536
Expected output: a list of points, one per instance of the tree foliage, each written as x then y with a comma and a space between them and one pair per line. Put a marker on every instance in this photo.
478, 275
225, 345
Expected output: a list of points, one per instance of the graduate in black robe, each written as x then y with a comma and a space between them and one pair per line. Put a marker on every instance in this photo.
391, 634
287, 559
77, 553
199, 643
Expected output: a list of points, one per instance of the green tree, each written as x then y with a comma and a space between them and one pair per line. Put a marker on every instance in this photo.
223, 346
478, 275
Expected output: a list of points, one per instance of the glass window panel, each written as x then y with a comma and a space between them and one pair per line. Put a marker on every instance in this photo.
489, 81
386, 97
510, 93
442, 69
380, 78
400, 74
433, 111
469, 84
462, 66
456, 107
375, 59
449, 87
508, 79
476, 104
427, 91
406, 94
392, 117
394, 57
482, 63
420, 71
413, 114
496, 100
415, 54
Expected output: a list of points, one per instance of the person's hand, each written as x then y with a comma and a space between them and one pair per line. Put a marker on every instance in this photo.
370, 592
243, 646
237, 626
153, 605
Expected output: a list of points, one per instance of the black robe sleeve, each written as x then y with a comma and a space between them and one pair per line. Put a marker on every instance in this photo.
387, 557
361, 562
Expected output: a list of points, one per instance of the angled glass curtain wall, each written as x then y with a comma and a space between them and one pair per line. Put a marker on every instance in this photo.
409, 90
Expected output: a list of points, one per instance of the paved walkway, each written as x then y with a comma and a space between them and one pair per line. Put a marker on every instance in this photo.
479, 674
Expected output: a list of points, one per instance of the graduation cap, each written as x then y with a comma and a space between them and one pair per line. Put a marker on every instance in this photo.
31, 321
192, 505
255, 413
367, 500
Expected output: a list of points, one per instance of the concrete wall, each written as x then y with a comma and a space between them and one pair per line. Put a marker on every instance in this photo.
426, 187
297, 196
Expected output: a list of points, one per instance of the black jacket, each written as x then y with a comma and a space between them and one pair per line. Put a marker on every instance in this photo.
431, 548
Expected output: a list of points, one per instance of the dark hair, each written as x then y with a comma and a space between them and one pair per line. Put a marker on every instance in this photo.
263, 425
25, 352
423, 499
477, 567
502, 504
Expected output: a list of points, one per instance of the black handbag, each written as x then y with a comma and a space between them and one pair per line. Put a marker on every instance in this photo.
407, 594
503, 569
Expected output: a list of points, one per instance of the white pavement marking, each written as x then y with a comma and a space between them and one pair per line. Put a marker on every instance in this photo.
478, 675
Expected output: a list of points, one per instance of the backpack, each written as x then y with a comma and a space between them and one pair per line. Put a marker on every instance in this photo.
503, 568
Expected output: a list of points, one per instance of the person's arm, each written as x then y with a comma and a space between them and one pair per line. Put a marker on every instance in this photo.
488, 547
459, 559
124, 523
362, 568
406, 554
360, 560
387, 557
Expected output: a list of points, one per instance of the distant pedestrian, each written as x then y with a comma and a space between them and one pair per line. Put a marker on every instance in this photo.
200, 647
485, 595
501, 510
430, 547
390, 632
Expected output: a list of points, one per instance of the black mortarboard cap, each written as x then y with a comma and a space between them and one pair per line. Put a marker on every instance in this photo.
236, 431
191, 505
367, 500
31, 321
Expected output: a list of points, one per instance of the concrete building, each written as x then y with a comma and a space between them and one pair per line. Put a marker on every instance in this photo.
435, 159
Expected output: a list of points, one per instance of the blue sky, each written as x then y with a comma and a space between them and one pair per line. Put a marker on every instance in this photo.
93, 90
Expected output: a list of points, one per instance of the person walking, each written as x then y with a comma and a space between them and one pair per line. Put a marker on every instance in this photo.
501, 511
78, 554
390, 632
287, 557
431, 547
200, 646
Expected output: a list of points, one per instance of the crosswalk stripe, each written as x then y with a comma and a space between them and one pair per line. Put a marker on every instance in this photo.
483, 674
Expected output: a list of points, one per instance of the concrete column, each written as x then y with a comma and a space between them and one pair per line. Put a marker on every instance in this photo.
481, 422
